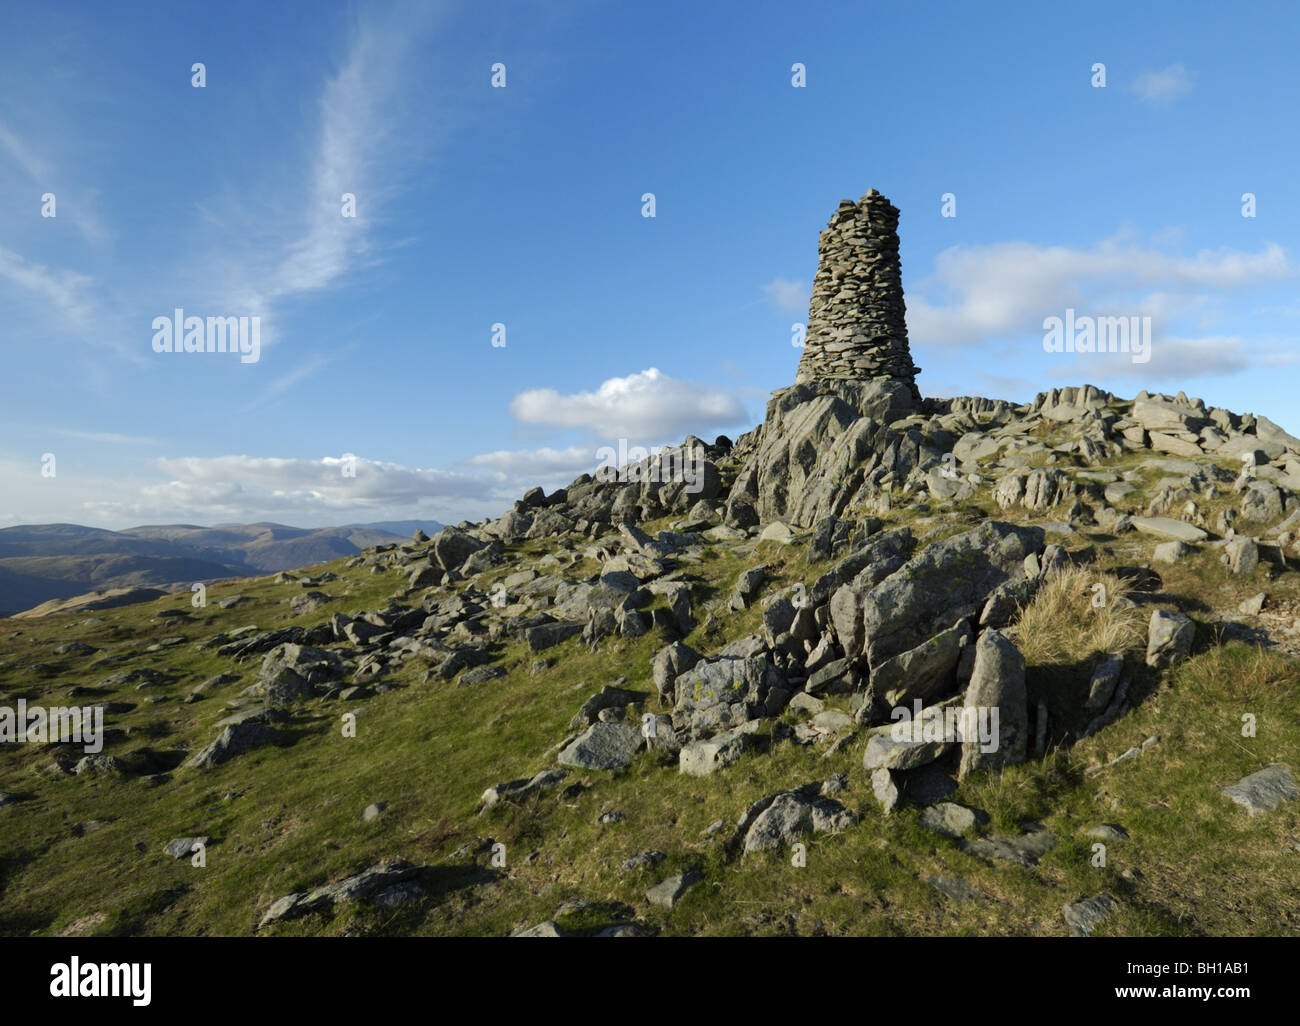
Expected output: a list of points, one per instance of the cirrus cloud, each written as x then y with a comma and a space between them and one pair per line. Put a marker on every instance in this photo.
1163, 87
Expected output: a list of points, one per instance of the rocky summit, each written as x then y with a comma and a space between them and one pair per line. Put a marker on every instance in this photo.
885, 664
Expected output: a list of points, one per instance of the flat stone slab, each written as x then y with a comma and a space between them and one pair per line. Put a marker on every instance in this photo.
604, 746
180, 847
882, 750
547, 929
1264, 790
669, 892
1024, 850
1085, 916
1168, 527
954, 887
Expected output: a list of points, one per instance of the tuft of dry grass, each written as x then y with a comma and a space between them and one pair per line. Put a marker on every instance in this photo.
1070, 619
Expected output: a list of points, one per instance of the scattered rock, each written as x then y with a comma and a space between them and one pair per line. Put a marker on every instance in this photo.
372, 884
1024, 850
950, 819
232, 741
603, 746
1169, 638
701, 758
668, 893
643, 860
954, 887
1264, 790
885, 790
183, 847
1241, 555
1085, 916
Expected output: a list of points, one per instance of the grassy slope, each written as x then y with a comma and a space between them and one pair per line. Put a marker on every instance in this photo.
286, 819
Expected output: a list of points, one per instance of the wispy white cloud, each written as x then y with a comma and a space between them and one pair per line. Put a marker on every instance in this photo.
66, 292
74, 203
1163, 87
787, 296
107, 437
304, 370
18, 151
365, 146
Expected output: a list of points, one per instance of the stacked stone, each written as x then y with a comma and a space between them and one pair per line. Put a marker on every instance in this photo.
857, 324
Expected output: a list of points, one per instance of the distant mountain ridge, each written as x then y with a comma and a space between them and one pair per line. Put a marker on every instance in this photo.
39, 562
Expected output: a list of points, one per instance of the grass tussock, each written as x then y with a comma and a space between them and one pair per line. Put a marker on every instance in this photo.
1070, 619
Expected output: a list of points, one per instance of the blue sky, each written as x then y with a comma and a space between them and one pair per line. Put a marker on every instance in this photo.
522, 206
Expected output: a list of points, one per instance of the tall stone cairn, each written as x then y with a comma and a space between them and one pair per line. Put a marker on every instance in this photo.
857, 323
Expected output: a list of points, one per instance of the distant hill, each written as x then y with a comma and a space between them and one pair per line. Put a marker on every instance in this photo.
405, 528
39, 562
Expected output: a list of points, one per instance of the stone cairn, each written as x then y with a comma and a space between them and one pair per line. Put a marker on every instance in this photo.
857, 325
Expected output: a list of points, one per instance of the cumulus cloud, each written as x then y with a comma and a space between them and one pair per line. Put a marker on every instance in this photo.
541, 463
1159, 88
306, 491
1009, 287
1173, 360
646, 407
787, 296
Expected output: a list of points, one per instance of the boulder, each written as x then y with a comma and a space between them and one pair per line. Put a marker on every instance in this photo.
998, 685
1169, 638
950, 819
232, 741
669, 663
1263, 502
1101, 688
884, 787
452, 546
948, 581
668, 893
783, 818
720, 693
1172, 552
602, 746
1241, 555
701, 758
925, 672
548, 635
